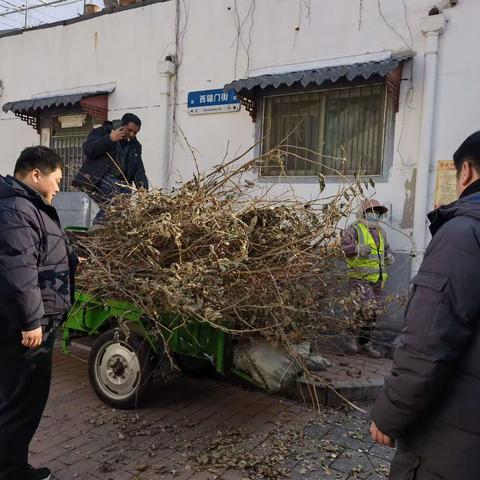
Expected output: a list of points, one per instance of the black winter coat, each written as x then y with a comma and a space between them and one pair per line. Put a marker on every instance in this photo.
97, 148
36, 262
431, 401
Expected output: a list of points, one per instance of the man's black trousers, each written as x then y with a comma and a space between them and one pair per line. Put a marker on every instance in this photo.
25, 376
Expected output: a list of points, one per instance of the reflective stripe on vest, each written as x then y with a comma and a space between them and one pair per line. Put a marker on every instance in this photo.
371, 268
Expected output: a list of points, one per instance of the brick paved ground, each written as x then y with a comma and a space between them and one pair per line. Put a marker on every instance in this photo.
355, 377
198, 429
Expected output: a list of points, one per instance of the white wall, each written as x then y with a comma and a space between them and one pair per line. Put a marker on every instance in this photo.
285, 34
458, 95
328, 31
124, 48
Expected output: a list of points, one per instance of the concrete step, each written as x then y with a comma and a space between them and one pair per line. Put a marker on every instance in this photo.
355, 378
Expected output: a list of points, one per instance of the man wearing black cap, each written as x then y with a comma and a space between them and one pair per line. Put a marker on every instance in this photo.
430, 403
113, 162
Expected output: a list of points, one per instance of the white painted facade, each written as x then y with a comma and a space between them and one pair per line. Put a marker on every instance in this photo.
217, 41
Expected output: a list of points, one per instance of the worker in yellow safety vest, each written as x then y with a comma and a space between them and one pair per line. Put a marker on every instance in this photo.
367, 254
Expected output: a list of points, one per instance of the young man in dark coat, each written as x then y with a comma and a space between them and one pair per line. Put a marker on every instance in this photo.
113, 162
431, 401
36, 290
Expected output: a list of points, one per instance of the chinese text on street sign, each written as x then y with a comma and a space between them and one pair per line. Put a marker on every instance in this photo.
212, 101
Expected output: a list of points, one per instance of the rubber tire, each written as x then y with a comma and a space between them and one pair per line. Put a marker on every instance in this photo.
142, 351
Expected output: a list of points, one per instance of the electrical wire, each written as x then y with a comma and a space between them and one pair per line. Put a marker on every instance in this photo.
16, 12
410, 94
390, 26
54, 3
25, 11
239, 25
48, 14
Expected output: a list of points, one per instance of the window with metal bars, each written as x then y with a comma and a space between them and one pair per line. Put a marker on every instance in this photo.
332, 132
68, 143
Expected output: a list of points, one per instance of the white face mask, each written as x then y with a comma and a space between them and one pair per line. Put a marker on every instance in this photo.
373, 218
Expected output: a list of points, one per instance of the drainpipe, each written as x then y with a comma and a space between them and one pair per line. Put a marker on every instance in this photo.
432, 27
166, 69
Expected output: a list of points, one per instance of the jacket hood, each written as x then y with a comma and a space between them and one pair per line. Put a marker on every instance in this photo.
11, 187
468, 206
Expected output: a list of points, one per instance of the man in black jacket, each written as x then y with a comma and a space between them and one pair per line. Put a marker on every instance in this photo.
36, 290
113, 162
430, 402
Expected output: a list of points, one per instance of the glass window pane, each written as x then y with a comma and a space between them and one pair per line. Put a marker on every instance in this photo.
292, 123
68, 143
354, 128
334, 132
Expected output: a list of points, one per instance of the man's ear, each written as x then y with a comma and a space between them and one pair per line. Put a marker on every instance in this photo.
465, 174
35, 175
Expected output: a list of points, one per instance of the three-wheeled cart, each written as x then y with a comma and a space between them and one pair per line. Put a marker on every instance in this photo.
126, 348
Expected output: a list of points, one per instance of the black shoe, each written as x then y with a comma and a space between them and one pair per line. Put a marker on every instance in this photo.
39, 473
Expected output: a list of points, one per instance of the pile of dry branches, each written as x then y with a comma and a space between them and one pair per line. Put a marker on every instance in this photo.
219, 250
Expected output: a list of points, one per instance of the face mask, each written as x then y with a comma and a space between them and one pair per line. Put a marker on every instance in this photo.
373, 217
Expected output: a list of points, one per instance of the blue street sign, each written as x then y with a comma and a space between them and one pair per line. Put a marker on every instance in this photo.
213, 101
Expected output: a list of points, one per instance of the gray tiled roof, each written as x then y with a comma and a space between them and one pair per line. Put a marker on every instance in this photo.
318, 76
32, 104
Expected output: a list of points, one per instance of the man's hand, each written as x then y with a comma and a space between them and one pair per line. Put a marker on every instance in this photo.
380, 437
118, 134
363, 250
389, 259
81, 262
32, 338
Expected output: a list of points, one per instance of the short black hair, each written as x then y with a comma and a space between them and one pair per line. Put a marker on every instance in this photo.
130, 117
43, 158
469, 151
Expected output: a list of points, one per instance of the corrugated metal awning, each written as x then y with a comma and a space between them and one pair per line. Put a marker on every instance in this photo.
34, 104
248, 88
318, 76
93, 102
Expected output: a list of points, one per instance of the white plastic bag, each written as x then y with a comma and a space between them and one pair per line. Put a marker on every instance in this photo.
268, 366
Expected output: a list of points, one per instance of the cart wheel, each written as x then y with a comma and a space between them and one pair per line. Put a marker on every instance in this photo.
120, 369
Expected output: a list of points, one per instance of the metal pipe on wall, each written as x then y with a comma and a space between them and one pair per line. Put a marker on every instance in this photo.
167, 70
432, 27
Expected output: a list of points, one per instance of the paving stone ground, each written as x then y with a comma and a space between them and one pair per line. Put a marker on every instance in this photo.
199, 429
357, 378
